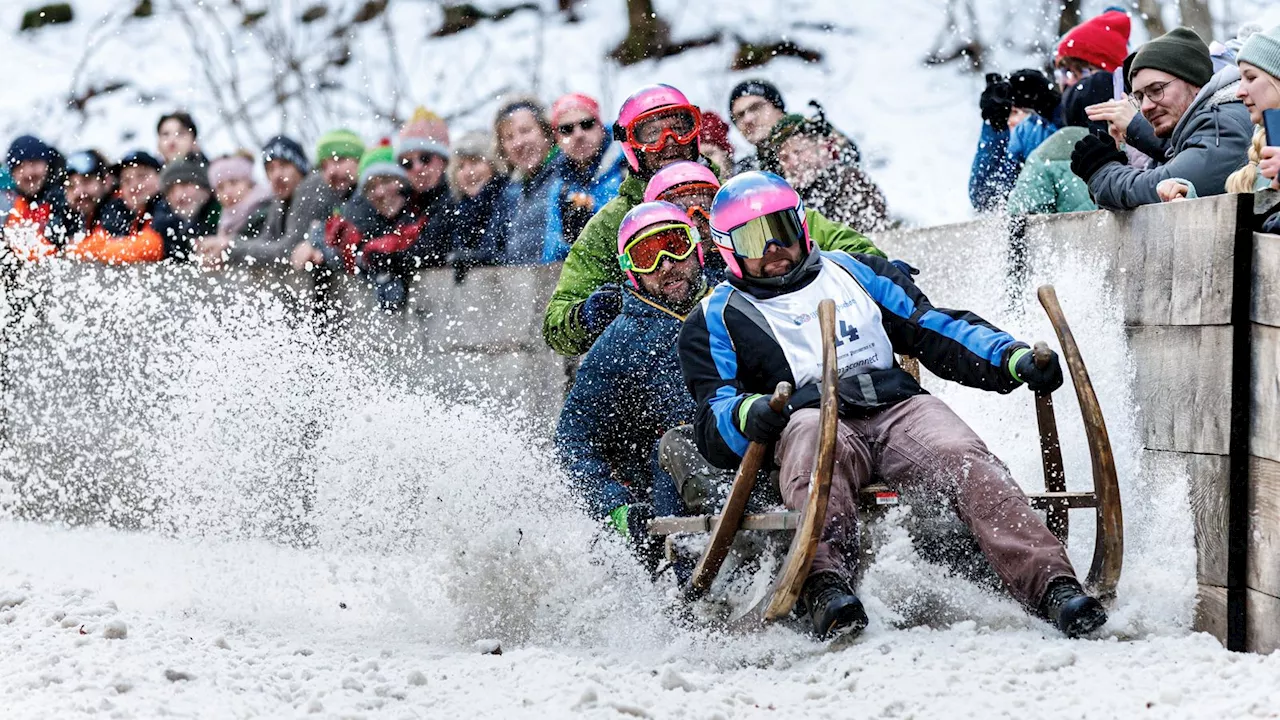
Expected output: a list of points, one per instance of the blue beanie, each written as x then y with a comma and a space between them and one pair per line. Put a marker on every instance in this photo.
27, 147
285, 148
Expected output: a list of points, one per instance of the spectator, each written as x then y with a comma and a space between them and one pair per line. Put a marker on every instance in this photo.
286, 165
1046, 183
1259, 61
423, 150
820, 163
176, 137
1207, 128
338, 155
7, 192
126, 232
374, 230
193, 210
588, 175
86, 176
244, 204
1016, 115
477, 181
755, 106
1098, 44
715, 144
37, 223
526, 143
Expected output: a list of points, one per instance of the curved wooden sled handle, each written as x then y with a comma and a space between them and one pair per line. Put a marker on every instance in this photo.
786, 586
1055, 477
1108, 551
734, 506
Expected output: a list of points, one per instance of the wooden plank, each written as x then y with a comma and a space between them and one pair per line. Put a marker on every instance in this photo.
1264, 526
1263, 630
1208, 490
1265, 308
1182, 387
1068, 500
1264, 431
1211, 611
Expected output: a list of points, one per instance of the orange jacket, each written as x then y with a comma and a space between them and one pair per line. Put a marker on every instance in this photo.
24, 229
144, 245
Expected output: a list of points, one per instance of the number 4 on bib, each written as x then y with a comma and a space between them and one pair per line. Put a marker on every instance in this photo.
848, 333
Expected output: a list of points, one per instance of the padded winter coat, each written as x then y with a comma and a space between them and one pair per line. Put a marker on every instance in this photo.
37, 227
628, 392
1210, 142
520, 216
1046, 184
567, 217
593, 261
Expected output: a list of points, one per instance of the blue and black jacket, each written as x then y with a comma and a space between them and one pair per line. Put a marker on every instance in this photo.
728, 352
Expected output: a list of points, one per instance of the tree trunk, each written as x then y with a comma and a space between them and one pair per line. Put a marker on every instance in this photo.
647, 34
1195, 15
1070, 16
1149, 10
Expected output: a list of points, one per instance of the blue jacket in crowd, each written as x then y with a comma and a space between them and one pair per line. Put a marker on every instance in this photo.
999, 159
520, 215
629, 391
600, 181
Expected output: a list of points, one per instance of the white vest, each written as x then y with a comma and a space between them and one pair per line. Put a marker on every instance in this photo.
861, 342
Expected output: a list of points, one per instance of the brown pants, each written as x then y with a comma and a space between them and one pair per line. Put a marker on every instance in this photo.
918, 442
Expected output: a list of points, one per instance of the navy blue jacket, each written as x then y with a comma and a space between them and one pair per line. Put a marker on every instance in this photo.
629, 391
728, 352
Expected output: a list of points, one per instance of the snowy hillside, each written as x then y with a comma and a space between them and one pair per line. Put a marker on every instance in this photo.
916, 124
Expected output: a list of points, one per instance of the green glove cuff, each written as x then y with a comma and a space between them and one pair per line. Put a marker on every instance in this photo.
1013, 362
618, 518
743, 409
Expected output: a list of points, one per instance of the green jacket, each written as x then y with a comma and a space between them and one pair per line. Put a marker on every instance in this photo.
593, 261
1046, 184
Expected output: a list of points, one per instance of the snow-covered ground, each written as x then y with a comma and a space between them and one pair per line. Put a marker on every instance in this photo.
440, 531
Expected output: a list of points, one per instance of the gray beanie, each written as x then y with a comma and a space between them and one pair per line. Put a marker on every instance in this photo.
1262, 50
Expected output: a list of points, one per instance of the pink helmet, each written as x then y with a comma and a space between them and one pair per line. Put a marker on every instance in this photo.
679, 173
744, 198
648, 214
643, 100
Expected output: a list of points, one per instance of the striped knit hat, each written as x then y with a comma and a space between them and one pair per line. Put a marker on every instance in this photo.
380, 161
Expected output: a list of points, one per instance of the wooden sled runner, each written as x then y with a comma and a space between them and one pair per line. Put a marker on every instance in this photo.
806, 524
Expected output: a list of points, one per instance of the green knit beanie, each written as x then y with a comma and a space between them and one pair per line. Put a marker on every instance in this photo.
380, 161
1179, 52
1262, 50
340, 144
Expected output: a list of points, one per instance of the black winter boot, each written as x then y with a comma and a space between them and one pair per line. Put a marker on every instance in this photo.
832, 606
1066, 605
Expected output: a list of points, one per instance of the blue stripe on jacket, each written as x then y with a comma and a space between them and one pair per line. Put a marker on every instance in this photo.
981, 341
725, 402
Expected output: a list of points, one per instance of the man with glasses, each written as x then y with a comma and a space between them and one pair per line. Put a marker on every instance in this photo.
1203, 131
760, 328
590, 170
755, 106
629, 391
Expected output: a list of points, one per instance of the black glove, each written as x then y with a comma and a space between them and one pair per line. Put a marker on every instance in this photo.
1041, 380
761, 423
601, 307
1032, 89
1091, 153
996, 101
907, 268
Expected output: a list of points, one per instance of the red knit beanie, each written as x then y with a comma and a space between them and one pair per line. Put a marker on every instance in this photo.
1101, 41
715, 131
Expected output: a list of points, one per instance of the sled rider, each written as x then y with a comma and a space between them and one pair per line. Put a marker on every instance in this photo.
760, 327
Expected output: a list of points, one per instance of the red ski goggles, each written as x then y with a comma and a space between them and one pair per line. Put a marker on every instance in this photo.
651, 130
705, 192
645, 251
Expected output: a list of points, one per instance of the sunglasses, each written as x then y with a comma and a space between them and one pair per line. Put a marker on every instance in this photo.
413, 160
645, 251
585, 125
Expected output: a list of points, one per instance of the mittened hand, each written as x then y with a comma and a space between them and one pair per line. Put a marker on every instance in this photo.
759, 422
1039, 379
996, 101
601, 307
906, 268
1091, 154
